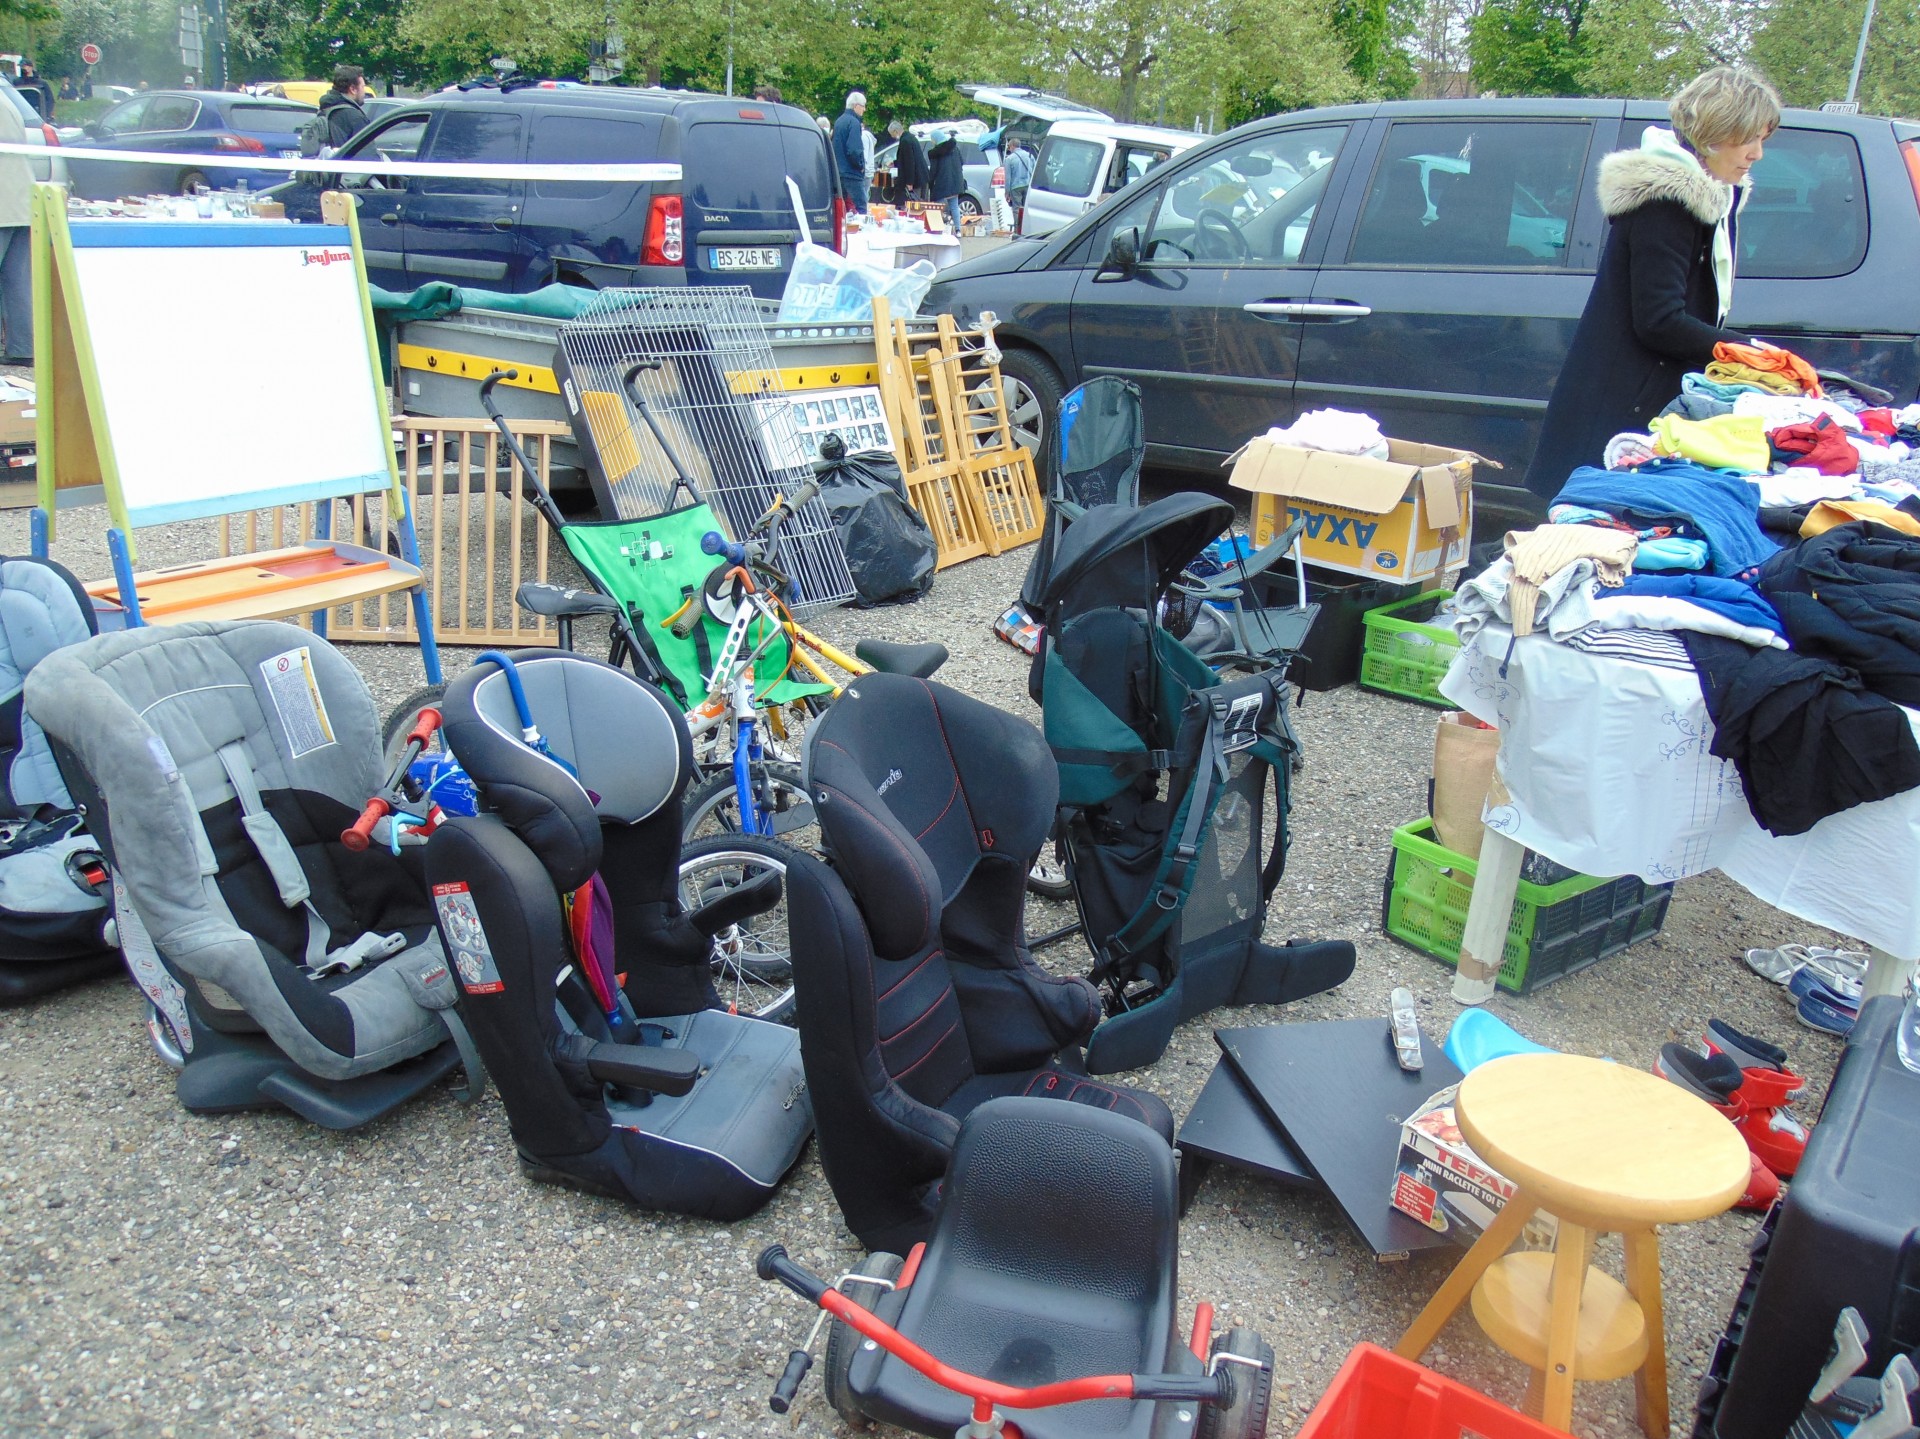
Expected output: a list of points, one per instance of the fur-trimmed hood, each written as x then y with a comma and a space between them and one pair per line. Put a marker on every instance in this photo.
1631, 178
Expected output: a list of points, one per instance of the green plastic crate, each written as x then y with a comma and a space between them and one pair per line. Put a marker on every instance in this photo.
1556, 929
1405, 656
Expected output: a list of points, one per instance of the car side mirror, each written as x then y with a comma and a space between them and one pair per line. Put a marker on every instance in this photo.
91, 129
1123, 256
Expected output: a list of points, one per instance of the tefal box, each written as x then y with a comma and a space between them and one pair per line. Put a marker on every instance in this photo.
1406, 518
1443, 1184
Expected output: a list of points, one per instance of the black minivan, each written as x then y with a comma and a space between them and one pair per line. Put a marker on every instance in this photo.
730, 220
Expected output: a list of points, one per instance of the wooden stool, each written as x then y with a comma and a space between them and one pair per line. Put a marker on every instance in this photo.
1603, 1148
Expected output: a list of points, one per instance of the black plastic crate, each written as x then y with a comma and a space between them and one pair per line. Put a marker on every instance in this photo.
1846, 1233
1331, 656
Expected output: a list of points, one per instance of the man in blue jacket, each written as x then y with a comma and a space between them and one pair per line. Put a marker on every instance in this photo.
850, 151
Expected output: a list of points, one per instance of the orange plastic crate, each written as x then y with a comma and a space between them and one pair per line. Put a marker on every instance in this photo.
1378, 1395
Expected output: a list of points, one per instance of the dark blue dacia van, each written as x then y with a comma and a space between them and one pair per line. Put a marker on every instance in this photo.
729, 221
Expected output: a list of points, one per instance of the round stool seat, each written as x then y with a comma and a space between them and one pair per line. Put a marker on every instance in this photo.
1602, 1144
1511, 1305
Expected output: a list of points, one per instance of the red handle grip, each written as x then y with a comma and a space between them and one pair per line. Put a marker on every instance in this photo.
423, 728
361, 835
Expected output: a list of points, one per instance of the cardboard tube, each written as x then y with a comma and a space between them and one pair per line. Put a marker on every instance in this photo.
1484, 940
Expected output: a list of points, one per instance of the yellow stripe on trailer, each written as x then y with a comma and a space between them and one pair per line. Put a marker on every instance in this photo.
476, 368
807, 377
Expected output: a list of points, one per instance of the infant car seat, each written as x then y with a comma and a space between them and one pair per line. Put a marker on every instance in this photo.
52, 913
635, 1083
916, 993
218, 763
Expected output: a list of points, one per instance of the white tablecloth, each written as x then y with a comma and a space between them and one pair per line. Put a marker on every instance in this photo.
1606, 762
897, 249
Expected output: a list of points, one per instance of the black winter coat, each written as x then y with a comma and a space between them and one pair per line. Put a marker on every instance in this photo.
345, 118
1650, 317
949, 172
910, 174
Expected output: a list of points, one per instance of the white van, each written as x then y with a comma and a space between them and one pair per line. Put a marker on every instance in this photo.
1081, 162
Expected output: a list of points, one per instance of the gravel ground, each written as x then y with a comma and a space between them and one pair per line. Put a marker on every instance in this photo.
249, 1274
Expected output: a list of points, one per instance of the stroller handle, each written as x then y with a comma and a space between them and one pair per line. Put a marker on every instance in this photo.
1216, 1388
486, 391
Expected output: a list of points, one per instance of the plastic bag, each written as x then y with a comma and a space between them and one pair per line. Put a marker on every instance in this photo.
890, 551
825, 287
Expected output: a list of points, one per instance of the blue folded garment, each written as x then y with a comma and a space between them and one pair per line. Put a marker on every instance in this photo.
1736, 599
1719, 507
1670, 552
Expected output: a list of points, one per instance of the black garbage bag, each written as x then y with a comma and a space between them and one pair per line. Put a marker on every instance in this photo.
890, 550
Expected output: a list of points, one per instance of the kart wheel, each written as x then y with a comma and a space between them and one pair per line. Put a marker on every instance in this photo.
844, 1342
1246, 1416
752, 963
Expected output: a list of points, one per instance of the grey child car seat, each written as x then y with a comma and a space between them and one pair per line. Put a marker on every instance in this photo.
218, 763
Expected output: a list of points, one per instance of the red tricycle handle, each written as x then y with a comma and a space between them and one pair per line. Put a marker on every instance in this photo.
360, 836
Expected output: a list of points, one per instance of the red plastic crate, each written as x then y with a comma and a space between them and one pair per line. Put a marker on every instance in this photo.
1378, 1395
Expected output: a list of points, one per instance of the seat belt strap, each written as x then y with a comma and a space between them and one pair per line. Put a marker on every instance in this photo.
276, 852
470, 1060
1173, 882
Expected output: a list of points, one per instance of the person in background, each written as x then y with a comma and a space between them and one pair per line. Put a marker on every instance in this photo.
770, 94
949, 175
344, 106
1019, 163
850, 151
1665, 281
16, 282
38, 91
68, 91
910, 173
826, 125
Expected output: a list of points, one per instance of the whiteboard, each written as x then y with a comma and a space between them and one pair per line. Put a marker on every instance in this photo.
233, 365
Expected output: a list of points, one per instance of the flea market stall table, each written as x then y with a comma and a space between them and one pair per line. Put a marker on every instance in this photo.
1605, 767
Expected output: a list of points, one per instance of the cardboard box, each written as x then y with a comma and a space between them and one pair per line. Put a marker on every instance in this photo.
1406, 518
1440, 1182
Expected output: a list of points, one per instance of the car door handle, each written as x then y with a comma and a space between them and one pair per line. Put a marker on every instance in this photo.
1307, 309
392, 217
503, 222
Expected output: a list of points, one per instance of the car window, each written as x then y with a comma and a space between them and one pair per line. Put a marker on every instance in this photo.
1475, 194
972, 154
588, 140
395, 139
1807, 216
1068, 166
274, 119
736, 166
473, 137
1251, 203
170, 112
125, 119
28, 115
1130, 162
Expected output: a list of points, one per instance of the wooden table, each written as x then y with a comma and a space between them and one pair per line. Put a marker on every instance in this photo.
1602, 1147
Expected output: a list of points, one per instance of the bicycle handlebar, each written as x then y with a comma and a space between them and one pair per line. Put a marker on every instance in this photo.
360, 835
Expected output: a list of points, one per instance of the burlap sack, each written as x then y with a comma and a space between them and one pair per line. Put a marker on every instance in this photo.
1463, 756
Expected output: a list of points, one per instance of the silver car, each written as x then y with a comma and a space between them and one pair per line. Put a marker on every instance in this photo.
39, 132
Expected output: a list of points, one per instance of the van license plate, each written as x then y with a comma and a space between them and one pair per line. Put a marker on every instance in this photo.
734, 258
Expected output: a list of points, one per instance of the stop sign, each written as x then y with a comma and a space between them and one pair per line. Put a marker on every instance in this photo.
90, 53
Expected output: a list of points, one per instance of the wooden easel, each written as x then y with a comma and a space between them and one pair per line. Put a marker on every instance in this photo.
139, 397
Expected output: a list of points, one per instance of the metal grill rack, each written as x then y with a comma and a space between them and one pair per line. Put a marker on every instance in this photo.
716, 397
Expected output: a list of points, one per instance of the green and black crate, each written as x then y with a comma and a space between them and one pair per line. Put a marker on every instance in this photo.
1405, 655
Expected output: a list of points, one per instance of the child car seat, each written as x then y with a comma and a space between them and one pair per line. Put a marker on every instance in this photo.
52, 914
218, 763
619, 1072
917, 996
1165, 772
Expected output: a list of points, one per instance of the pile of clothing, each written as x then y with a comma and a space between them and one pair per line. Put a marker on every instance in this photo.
1766, 534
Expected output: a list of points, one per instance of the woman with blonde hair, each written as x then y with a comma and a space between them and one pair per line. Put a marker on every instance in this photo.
1665, 282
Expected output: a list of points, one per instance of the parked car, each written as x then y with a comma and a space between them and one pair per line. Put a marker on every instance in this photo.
199, 126
1033, 112
1425, 262
978, 165
1081, 162
729, 221
38, 132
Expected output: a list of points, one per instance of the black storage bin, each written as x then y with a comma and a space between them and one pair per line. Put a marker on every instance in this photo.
1846, 1232
1331, 655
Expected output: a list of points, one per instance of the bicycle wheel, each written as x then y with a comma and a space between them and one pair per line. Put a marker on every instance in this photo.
713, 806
393, 734
752, 963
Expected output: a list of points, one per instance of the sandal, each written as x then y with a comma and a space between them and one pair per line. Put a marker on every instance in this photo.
1777, 965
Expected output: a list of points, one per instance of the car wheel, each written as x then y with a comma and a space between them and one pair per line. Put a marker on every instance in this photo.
969, 205
189, 180
1033, 389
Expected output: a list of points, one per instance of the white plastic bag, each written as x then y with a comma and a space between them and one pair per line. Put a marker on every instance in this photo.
829, 288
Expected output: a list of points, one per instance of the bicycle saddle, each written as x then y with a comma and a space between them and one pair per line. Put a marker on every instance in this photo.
557, 602
915, 661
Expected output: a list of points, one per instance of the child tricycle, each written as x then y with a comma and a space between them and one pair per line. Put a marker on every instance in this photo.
1047, 1288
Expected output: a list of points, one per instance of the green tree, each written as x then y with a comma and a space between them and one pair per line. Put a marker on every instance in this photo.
1530, 47
1806, 49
